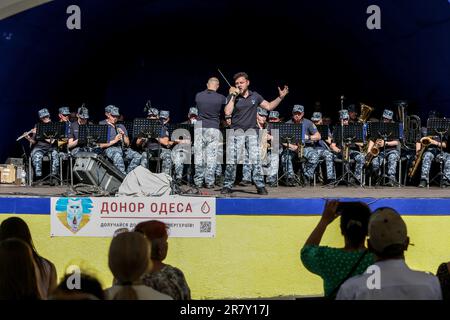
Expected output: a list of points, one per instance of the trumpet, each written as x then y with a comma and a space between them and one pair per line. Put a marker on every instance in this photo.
25, 134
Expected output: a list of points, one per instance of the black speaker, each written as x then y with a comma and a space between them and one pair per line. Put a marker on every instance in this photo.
91, 168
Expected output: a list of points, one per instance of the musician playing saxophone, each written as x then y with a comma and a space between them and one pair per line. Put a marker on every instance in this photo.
391, 152
119, 142
269, 157
433, 151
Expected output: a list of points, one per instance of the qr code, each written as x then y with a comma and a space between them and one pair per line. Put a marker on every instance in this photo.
205, 226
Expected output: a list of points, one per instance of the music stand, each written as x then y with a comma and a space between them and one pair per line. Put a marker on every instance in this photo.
348, 134
148, 129
385, 131
187, 127
323, 130
53, 131
439, 127
91, 135
290, 133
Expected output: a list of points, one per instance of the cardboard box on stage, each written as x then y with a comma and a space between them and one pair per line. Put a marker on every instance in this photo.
7, 173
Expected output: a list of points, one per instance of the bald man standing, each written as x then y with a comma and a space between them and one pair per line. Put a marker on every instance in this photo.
209, 104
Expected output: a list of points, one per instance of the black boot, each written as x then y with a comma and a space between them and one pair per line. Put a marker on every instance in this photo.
262, 191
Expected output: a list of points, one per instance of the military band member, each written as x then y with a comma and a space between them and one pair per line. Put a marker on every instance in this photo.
118, 143
312, 157
157, 146
322, 148
153, 114
242, 106
42, 147
192, 116
354, 147
82, 119
433, 151
392, 152
352, 113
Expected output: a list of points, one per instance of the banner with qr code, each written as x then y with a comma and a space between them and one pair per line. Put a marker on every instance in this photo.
103, 217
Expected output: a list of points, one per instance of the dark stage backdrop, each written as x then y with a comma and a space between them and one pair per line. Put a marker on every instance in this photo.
130, 51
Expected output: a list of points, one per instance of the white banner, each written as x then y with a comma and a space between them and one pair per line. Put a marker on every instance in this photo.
101, 217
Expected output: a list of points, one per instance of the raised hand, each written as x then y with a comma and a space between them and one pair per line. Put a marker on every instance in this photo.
283, 92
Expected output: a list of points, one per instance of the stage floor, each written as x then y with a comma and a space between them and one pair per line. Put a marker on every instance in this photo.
280, 192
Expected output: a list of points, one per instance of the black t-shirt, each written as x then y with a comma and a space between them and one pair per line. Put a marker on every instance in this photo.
244, 113
209, 105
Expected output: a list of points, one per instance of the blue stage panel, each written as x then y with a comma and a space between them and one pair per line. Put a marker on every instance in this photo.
25, 205
266, 206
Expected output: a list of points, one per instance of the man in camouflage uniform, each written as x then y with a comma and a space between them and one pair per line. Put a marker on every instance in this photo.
159, 146
270, 163
207, 134
392, 152
434, 151
322, 148
181, 149
242, 106
82, 119
310, 154
118, 142
354, 153
42, 147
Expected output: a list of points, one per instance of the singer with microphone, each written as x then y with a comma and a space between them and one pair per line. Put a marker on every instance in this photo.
119, 142
242, 106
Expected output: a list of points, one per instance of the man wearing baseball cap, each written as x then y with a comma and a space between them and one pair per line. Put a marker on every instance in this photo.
82, 118
390, 278
119, 142
311, 156
322, 148
354, 149
40, 148
192, 116
392, 153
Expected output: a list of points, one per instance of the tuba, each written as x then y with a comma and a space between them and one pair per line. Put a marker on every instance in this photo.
424, 143
365, 113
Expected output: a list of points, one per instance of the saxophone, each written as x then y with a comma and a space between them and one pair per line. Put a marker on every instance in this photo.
300, 149
375, 151
346, 152
424, 143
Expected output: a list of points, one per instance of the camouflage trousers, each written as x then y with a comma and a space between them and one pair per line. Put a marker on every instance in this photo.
206, 152
116, 155
180, 157
37, 154
392, 158
269, 168
427, 160
165, 156
237, 148
312, 160
359, 159
328, 157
